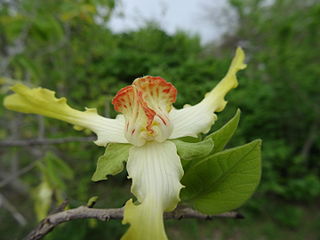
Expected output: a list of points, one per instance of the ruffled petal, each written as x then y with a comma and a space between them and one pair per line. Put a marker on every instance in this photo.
43, 101
199, 118
145, 105
156, 171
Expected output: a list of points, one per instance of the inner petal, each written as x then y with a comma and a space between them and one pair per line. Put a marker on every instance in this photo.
145, 105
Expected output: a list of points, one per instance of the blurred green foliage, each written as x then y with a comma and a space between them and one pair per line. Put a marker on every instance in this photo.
66, 46
281, 99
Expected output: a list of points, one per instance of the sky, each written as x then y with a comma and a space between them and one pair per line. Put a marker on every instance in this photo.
188, 15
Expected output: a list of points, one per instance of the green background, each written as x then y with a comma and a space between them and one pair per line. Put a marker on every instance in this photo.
57, 44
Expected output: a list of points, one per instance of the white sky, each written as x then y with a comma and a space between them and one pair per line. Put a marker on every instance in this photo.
188, 15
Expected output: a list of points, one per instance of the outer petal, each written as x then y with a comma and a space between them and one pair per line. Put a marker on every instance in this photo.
193, 120
156, 171
43, 101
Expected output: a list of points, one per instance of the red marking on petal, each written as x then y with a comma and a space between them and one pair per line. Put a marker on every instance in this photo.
130, 95
120, 98
148, 111
147, 96
163, 120
156, 86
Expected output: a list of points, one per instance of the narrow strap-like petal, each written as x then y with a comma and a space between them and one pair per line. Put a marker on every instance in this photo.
43, 101
199, 118
156, 171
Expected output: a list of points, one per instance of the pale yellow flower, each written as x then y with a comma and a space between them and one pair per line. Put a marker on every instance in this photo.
148, 122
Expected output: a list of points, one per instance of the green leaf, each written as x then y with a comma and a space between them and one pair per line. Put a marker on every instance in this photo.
190, 139
92, 201
222, 136
55, 170
189, 151
111, 163
60, 167
29, 65
225, 180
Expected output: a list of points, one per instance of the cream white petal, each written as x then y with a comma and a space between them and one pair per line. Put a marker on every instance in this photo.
43, 101
192, 120
156, 171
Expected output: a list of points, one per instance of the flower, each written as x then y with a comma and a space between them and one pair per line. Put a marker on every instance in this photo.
148, 122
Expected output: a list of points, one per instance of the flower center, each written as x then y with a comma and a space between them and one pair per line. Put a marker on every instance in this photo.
145, 105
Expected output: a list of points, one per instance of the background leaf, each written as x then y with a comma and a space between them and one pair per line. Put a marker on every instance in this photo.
55, 171
56, 163
42, 196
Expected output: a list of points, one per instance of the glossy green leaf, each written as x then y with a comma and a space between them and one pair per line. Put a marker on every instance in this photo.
225, 180
189, 151
223, 135
111, 163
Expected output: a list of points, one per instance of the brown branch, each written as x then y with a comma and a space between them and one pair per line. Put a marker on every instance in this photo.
44, 141
84, 212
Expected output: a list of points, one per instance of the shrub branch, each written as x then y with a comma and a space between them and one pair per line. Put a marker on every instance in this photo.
84, 212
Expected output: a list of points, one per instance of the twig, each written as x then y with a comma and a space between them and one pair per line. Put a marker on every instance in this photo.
44, 141
310, 140
41, 127
185, 212
12, 177
14, 212
60, 207
83, 212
